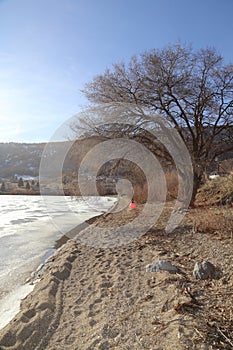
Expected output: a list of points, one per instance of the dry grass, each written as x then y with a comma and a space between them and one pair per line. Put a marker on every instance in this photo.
213, 220
172, 184
217, 191
141, 191
214, 212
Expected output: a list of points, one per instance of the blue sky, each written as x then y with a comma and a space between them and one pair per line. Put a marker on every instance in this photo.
50, 48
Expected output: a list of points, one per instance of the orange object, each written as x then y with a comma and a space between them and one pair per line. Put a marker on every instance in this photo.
132, 205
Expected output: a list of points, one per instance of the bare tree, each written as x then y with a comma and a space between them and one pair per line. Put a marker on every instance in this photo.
193, 90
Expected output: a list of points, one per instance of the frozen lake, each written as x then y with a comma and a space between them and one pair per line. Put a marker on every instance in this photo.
29, 227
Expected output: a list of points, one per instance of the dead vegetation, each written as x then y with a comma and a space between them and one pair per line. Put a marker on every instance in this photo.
213, 220
218, 191
214, 208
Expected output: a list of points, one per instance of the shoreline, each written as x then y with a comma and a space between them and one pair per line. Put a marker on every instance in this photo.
59, 243
45, 262
72, 233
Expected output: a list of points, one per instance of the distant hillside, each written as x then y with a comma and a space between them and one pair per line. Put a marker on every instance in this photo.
20, 158
23, 159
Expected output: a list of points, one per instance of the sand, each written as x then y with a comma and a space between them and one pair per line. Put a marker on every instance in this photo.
103, 298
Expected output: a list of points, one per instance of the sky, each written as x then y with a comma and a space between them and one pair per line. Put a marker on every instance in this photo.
49, 50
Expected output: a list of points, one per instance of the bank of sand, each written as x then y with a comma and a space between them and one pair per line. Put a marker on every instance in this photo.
103, 298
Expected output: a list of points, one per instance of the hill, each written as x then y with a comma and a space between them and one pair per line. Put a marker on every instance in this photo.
23, 159
20, 159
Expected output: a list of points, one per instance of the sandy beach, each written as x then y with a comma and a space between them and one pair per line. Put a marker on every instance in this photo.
103, 298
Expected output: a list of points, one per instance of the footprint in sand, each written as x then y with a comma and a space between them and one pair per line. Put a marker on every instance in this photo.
109, 332
79, 301
92, 314
92, 322
100, 255
106, 285
77, 312
95, 307
97, 301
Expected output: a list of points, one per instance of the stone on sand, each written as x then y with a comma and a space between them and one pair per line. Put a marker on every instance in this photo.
162, 265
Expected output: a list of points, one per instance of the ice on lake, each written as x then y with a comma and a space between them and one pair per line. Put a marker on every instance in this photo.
29, 228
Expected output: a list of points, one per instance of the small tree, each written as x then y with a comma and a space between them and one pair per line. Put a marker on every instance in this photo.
20, 182
28, 187
3, 187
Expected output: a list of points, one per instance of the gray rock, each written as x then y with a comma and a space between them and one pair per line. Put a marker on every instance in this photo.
162, 265
205, 270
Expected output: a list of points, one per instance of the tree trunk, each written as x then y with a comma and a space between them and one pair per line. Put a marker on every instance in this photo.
196, 185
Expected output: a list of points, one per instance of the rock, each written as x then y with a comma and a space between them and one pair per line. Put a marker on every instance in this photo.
206, 270
162, 265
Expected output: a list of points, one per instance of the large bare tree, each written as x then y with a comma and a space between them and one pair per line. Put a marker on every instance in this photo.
193, 90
